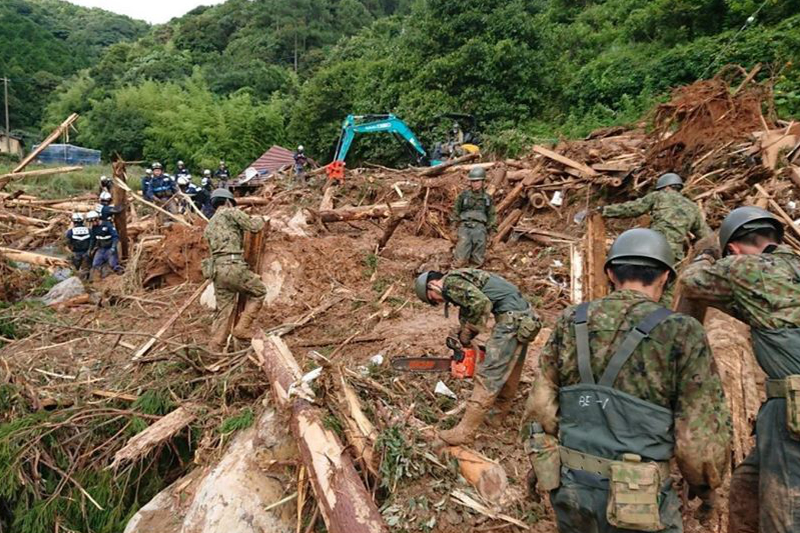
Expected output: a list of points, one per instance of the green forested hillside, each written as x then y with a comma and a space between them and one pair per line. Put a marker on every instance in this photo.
525, 68
45, 41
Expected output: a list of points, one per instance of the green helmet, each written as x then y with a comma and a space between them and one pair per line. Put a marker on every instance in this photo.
744, 220
421, 285
643, 247
669, 179
477, 174
221, 195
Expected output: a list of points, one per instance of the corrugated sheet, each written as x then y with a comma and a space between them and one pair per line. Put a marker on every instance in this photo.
271, 161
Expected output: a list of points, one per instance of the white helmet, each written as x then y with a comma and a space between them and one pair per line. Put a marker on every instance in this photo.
105, 196
221, 163
92, 215
180, 163
149, 172
300, 148
104, 179
182, 181
204, 181
207, 172
77, 217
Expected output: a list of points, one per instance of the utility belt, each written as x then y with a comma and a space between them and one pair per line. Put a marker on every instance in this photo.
527, 325
787, 389
601, 466
472, 223
208, 266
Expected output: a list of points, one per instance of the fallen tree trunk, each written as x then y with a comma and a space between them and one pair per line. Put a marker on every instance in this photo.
32, 258
438, 169
253, 200
586, 171
361, 213
154, 435
5, 178
345, 504
532, 178
506, 226
22, 220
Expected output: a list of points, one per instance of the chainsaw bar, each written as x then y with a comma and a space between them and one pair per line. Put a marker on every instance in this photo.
422, 364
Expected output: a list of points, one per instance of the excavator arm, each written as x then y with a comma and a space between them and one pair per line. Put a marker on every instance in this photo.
357, 124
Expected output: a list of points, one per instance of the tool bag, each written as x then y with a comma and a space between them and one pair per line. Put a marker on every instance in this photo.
633, 492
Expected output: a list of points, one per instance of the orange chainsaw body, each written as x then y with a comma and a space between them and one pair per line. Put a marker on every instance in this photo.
465, 366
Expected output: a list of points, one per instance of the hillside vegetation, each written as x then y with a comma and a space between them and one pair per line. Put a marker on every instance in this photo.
229, 80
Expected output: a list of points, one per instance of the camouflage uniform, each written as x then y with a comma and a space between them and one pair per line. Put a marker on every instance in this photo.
673, 215
762, 290
230, 273
670, 374
475, 214
478, 295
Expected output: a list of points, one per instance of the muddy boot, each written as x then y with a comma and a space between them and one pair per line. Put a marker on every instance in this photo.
219, 338
505, 399
477, 406
243, 329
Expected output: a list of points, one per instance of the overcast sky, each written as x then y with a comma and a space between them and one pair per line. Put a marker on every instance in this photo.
153, 11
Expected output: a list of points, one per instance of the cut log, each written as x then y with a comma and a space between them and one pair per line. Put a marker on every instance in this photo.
538, 200
496, 179
58, 132
505, 227
438, 169
532, 179
613, 167
517, 175
345, 503
22, 256
595, 249
159, 432
142, 351
587, 172
120, 200
5, 216
361, 213
327, 199
253, 200
360, 431
5, 178
480, 472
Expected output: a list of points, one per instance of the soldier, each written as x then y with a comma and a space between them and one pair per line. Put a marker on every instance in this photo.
757, 280
475, 214
227, 269
672, 214
79, 240
658, 395
478, 295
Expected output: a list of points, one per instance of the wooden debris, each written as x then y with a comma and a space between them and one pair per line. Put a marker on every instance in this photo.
531, 179
361, 213
586, 171
149, 343
22, 256
138, 198
6, 178
58, 132
5, 216
481, 472
345, 503
595, 249
360, 431
155, 434
505, 227
438, 169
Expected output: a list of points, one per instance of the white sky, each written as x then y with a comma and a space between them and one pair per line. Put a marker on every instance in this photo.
153, 11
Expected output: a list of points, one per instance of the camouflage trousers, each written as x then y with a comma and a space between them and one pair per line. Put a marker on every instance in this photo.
580, 505
471, 245
504, 353
765, 487
233, 277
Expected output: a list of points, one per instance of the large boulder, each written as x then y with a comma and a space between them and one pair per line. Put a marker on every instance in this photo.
65, 290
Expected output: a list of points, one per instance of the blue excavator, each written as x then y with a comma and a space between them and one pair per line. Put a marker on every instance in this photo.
387, 123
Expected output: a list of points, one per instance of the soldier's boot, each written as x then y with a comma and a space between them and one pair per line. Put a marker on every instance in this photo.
477, 406
243, 329
219, 338
505, 399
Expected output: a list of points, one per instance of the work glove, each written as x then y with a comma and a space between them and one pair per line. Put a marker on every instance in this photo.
709, 246
465, 336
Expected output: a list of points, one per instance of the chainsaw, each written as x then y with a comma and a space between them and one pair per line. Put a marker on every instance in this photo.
461, 364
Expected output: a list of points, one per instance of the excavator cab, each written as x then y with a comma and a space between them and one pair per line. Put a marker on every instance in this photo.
462, 137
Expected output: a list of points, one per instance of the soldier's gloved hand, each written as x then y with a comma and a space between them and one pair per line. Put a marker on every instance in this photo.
708, 514
465, 337
708, 245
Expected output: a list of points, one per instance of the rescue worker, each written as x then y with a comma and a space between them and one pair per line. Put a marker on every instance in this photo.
479, 295
671, 213
182, 170
227, 269
105, 209
190, 190
203, 197
106, 184
474, 212
625, 384
162, 188
104, 242
749, 274
223, 175
79, 241
300, 162
147, 183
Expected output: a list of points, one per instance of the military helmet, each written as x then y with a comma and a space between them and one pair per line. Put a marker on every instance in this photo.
477, 174
92, 215
744, 220
105, 196
156, 165
670, 179
421, 285
77, 217
221, 195
643, 247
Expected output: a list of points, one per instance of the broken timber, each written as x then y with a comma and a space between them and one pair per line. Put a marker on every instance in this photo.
5, 178
58, 132
345, 214
22, 256
586, 171
595, 249
120, 200
138, 198
438, 169
345, 503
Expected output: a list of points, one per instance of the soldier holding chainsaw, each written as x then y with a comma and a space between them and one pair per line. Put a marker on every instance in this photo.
479, 295
624, 386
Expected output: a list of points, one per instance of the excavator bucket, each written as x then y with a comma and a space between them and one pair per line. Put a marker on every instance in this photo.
335, 170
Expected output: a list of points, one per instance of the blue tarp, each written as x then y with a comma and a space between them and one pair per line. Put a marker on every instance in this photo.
69, 154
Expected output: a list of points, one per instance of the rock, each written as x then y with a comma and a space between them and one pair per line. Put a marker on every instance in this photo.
65, 290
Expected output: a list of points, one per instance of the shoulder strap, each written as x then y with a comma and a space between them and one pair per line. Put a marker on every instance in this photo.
629, 344
582, 342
